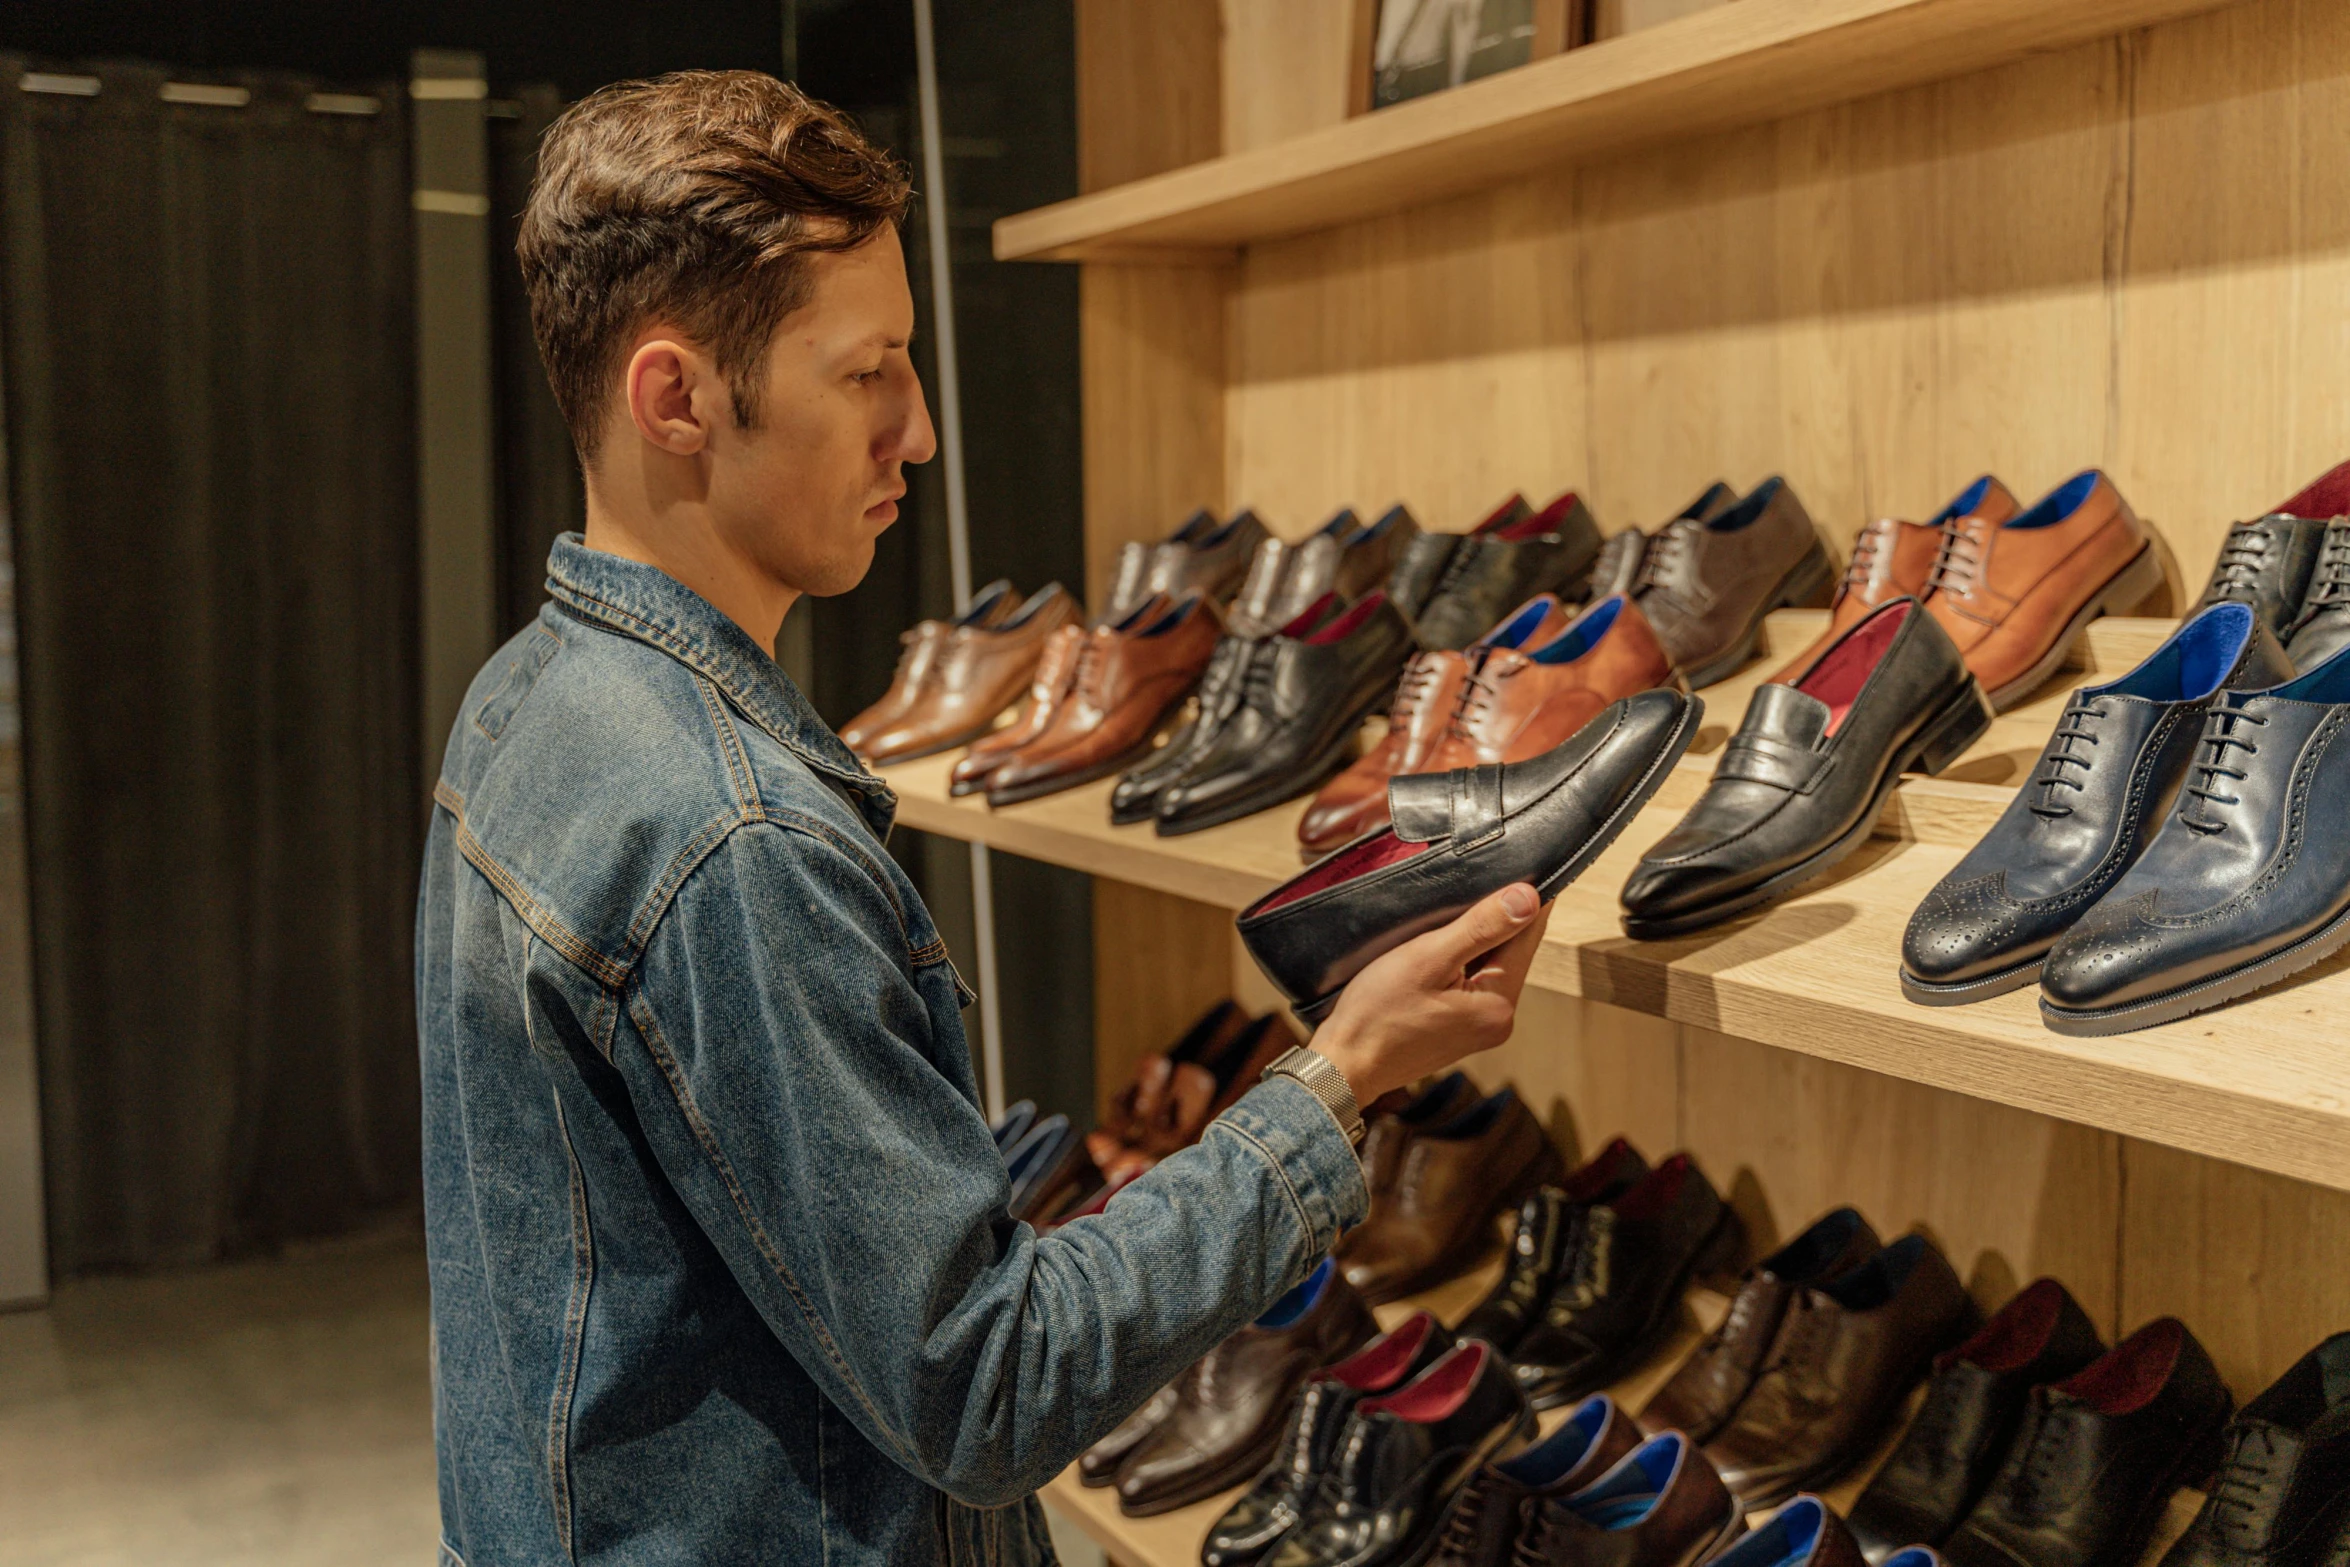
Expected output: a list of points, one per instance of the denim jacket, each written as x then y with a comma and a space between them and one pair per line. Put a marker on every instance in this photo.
721, 1268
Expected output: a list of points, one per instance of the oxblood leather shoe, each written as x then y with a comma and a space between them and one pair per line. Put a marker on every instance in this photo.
2283, 1492
1706, 584
1547, 1222
2097, 1457
2094, 800
2013, 594
918, 662
1230, 1408
1203, 556
2237, 891
1056, 674
979, 672
1804, 1533
1300, 705
1426, 697
1130, 678
1519, 701
1894, 559
1487, 1520
1404, 1460
1973, 1406
1457, 837
1800, 785
1706, 1391
1436, 1219
1848, 1351
1287, 1490
1662, 1505
1505, 563
1619, 1288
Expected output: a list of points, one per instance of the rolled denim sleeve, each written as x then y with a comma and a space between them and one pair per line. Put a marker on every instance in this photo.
782, 1048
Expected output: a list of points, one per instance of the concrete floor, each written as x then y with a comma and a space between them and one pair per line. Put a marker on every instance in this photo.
262, 1414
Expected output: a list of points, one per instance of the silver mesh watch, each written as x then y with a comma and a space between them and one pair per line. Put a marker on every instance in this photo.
1326, 1083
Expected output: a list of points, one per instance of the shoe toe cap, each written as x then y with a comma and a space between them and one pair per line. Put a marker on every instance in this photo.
1966, 930
2116, 959
1659, 889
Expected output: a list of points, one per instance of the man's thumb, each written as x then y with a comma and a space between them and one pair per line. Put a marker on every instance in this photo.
1487, 924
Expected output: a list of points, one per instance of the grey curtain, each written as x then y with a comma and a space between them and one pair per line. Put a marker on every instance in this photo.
209, 378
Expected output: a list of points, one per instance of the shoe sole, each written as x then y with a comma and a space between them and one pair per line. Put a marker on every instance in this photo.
1807, 579
1326, 765
1959, 992
2232, 985
939, 749
1962, 722
2128, 588
1675, 747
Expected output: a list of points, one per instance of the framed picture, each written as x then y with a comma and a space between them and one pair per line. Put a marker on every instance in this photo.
1424, 46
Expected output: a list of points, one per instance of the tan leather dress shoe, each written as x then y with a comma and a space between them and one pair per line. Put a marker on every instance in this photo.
1056, 674
1520, 702
2014, 593
917, 669
1131, 678
979, 671
1895, 559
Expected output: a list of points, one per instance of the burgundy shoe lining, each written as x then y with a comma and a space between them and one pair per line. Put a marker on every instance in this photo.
1499, 515
1309, 617
1345, 865
1437, 1391
1349, 623
2018, 1331
1844, 669
1598, 1173
1543, 521
2133, 1371
1656, 1190
2327, 497
1378, 1363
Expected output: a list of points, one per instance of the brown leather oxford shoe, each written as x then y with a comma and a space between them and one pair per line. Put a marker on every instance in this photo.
1130, 679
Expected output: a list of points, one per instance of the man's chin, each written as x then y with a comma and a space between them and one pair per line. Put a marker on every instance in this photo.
836, 577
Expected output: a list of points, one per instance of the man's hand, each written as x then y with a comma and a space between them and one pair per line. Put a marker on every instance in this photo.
1436, 998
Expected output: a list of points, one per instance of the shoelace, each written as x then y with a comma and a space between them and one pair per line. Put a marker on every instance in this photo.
2329, 582
1956, 563
1587, 1274
2241, 556
1930, 1434
2220, 735
2079, 714
2251, 1475
1534, 1537
1477, 694
1412, 689
2049, 1465
1092, 664
1864, 555
1667, 550
1460, 1530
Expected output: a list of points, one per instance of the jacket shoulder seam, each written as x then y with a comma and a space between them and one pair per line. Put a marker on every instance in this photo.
559, 937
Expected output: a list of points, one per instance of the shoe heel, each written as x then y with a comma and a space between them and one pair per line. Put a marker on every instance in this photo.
1723, 1258
1811, 583
2137, 582
1946, 737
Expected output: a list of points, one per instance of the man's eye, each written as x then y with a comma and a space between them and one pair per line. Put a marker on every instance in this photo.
861, 377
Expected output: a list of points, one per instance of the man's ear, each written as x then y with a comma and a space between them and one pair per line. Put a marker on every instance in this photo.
667, 385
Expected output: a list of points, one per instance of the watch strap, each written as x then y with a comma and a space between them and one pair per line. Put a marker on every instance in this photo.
1315, 1073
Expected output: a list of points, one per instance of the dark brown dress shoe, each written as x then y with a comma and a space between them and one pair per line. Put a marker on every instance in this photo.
1391, 1133
2098, 1455
981, 671
1487, 1520
921, 646
1437, 1219
1130, 679
1203, 556
1847, 1352
1098, 1464
2014, 591
1706, 585
1230, 1408
1895, 559
1704, 1393
1289, 1488
1548, 1222
1662, 1505
1804, 1533
1950, 1452
1048, 688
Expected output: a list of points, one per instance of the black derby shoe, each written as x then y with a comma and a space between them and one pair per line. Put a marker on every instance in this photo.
2242, 886
2091, 807
1799, 786
1457, 837
2266, 564
1511, 557
2283, 1496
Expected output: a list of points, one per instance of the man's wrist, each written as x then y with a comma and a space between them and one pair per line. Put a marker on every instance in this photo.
1321, 1077
1336, 1043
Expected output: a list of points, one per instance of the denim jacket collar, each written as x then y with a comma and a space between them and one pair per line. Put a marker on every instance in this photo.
636, 600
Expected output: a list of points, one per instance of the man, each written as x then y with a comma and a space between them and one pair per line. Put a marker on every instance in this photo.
720, 1260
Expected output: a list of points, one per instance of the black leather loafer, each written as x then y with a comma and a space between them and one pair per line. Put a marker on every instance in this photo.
2093, 803
1301, 701
1800, 784
1457, 837
2244, 884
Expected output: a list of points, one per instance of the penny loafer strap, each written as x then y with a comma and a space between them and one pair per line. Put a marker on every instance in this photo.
1464, 805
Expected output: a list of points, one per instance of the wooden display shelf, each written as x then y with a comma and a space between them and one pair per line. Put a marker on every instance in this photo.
1720, 68
2264, 1083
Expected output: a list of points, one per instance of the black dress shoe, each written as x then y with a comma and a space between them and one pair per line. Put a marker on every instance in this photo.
2266, 564
1799, 786
1456, 837
1620, 1285
2236, 891
1404, 1459
2102, 784
2283, 1493
2097, 1457
1546, 1223
2323, 628
1283, 1496
1974, 1404
1493, 570
1301, 701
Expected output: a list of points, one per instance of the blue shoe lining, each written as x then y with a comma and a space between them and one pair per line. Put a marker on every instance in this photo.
1806, 1255
2326, 682
2059, 503
1877, 1280
1550, 1459
1786, 1541
1519, 626
1964, 506
1750, 508
1300, 1300
1629, 1492
2191, 665
1581, 637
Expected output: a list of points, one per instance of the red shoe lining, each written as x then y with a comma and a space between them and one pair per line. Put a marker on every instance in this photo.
1499, 515
1378, 1363
2326, 498
1347, 624
1656, 1190
1345, 865
1841, 672
1438, 1391
1586, 1184
1543, 521
2134, 1371
2018, 1332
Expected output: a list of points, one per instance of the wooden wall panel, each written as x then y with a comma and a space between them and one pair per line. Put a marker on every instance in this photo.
1149, 87
1158, 962
1292, 67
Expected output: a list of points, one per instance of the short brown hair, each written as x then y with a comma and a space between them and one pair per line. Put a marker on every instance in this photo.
694, 198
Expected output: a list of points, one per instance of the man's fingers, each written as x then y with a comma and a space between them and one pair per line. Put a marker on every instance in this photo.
1504, 973
1488, 924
